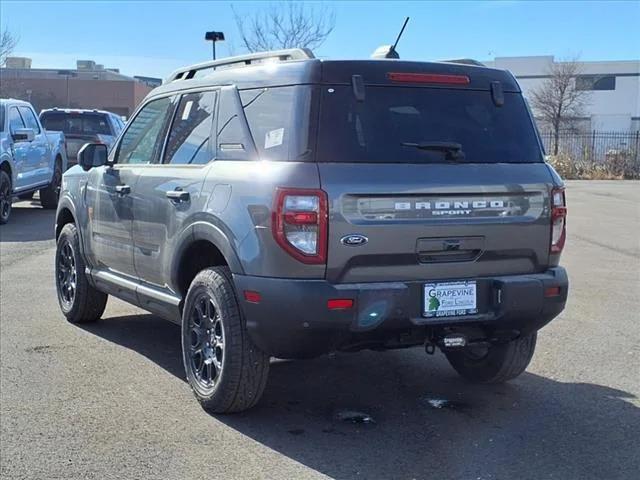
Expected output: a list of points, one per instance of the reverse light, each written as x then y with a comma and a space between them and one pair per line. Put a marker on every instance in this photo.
558, 220
300, 223
428, 78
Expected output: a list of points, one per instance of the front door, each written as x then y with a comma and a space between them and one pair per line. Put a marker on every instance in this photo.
110, 193
40, 161
20, 152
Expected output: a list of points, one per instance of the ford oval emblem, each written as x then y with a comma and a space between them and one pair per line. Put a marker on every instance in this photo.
354, 240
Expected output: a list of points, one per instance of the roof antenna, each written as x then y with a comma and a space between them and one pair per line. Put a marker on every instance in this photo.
389, 51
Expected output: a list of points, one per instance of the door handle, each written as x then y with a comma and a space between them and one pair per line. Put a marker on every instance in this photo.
178, 196
123, 189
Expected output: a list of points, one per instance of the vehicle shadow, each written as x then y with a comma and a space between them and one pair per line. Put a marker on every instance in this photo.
28, 224
427, 423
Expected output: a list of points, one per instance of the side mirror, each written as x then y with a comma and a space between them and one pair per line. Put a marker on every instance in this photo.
23, 135
92, 155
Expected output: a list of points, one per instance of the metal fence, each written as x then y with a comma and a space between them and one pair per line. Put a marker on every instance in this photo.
594, 146
615, 152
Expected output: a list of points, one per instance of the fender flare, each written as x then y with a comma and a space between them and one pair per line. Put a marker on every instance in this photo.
202, 230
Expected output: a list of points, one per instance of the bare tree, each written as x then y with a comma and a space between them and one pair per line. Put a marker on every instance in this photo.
8, 42
285, 25
557, 100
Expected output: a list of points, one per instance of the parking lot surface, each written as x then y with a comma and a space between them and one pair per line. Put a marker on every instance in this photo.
109, 400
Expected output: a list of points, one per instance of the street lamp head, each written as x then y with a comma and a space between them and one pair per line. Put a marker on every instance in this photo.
214, 36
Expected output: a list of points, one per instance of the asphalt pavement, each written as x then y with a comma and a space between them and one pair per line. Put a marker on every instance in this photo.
109, 400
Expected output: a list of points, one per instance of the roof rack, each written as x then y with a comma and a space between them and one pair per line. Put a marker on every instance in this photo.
465, 61
187, 73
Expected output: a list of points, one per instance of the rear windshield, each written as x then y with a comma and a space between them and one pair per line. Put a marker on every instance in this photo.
412, 125
76, 123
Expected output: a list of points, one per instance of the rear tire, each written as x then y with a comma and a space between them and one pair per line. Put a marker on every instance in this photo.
49, 195
500, 363
79, 301
5, 197
225, 370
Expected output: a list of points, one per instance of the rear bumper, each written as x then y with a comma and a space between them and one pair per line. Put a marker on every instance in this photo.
292, 320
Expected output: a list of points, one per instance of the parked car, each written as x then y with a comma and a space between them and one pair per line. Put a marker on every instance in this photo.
82, 126
31, 158
278, 205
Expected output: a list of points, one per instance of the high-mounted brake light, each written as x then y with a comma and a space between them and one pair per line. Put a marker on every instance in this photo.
299, 223
428, 78
558, 220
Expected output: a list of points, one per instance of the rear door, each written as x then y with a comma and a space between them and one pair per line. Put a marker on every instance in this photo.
393, 176
167, 193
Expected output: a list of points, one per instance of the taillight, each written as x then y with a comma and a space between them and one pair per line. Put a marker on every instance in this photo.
300, 223
558, 220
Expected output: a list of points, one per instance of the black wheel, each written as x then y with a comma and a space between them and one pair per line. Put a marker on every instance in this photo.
495, 364
225, 370
79, 301
26, 196
5, 197
49, 195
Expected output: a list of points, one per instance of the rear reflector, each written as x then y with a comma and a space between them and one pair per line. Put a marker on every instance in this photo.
339, 303
552, 292
428, 78
252, 297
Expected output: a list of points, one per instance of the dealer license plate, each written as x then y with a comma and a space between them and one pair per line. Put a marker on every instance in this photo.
450, 299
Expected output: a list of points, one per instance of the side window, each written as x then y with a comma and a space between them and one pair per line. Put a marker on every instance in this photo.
190, 134
29, 118
142, 139
15, 120
234, 138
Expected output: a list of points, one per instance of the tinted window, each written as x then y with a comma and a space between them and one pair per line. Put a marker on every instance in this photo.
190, 134
76, 123
375, 129
279, 121
1, 118
142, 139
15, 120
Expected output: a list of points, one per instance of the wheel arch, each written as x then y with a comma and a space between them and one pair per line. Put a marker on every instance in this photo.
204, 246
5, 166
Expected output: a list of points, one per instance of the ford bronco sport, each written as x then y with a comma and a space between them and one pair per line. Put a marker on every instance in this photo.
277, 205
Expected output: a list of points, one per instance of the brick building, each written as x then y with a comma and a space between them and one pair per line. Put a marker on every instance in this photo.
88, 86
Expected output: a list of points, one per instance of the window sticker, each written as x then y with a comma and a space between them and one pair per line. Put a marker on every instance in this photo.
274, 138
187, 110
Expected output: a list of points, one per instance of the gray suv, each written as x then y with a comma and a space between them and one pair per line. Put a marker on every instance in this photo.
278, 205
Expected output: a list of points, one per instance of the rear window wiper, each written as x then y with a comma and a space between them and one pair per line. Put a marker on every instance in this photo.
452, 150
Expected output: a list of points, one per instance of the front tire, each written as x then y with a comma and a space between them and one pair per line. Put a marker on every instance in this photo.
225, 370
495, 364
79, 301
49, 195
5, 197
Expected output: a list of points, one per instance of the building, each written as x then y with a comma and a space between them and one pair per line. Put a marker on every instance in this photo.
613, 103
88, 86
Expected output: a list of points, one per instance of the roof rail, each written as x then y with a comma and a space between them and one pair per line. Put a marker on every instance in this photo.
187, 73
465, 61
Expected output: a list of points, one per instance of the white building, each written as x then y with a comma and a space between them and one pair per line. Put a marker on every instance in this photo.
614, 99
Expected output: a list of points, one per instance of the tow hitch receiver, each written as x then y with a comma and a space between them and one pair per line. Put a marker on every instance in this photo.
454, 341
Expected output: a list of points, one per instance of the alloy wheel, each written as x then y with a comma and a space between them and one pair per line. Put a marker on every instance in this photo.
66, 274
206, 343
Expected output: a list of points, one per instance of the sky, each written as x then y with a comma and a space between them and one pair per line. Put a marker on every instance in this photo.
153, 38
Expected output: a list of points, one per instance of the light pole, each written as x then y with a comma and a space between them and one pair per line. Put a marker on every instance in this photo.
214, 37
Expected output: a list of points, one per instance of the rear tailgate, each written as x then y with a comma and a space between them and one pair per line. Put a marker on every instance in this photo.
444, 181
436, 221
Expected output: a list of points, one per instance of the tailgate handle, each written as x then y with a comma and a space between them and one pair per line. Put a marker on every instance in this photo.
448, 249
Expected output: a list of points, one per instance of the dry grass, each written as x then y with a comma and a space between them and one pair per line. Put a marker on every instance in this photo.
615, 167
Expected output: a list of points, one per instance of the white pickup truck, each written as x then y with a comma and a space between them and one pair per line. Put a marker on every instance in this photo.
31, 158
